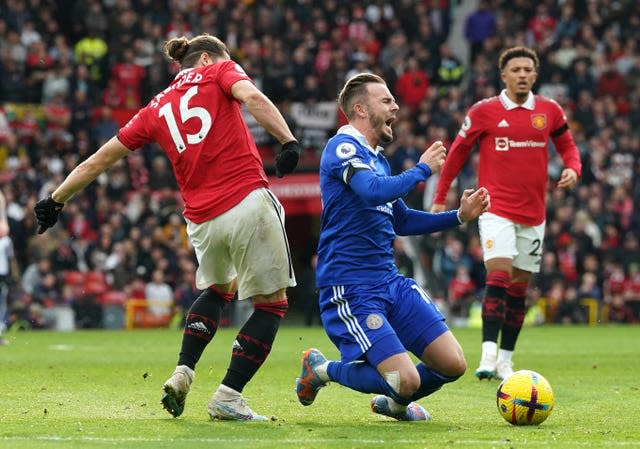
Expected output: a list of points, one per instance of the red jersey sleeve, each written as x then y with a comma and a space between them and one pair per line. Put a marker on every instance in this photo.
229, 73
470, 131
135, 133
563, 140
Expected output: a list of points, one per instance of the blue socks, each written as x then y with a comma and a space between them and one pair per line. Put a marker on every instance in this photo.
430, 381
363, 377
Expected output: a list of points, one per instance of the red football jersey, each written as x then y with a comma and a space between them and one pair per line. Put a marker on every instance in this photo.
513, 143
199, 125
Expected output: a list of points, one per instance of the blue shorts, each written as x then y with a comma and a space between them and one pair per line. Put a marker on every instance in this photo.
376, 322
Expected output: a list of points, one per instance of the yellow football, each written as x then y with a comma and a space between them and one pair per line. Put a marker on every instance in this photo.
525, 398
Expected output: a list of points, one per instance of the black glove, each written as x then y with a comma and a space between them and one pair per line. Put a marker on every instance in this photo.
47, 212
287, 159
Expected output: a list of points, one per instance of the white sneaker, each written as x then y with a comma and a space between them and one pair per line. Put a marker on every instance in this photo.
232, 407
176, 389
487, 368
504, 369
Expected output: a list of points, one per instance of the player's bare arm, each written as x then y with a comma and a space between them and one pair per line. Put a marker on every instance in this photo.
263, 110
568, 179
87, 171
474, 203
434, 156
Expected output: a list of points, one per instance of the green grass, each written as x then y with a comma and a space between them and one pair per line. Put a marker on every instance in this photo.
101, 389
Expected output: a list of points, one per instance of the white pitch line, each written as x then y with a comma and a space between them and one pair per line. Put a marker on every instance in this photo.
280, 441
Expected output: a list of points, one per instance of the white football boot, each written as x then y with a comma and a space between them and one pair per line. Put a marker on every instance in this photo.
487, 368
228, 404
504, 369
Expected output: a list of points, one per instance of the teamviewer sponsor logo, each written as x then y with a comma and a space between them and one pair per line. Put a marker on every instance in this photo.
504, 144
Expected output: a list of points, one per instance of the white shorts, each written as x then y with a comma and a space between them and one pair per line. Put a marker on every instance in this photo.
248, 242
502, 237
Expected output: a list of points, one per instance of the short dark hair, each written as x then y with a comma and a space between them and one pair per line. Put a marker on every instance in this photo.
186, 52
354, 89
517, 52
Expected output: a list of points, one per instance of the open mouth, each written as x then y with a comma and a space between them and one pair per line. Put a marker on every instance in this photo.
390, 121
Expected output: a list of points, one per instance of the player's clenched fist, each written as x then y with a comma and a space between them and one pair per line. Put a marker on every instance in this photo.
434, 156
474, 203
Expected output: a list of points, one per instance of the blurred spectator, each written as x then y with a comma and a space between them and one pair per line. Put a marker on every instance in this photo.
412, 85
63, 258
104, 128
632, 289
128, 77
452, 255
461, 293
549, 273
38, 66
158, 294
480, 25
185, 294
450, 71
91, 50
80, 81
610, 82
540, 23
13, 87
569, 310
81, 112
589, 287
33, 274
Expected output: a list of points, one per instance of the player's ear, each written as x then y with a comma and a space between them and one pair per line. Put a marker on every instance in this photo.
360, 110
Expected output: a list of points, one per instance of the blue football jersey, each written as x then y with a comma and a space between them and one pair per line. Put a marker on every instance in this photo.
356, 236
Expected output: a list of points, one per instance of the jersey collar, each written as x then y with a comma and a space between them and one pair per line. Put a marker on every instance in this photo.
351, 131
509, 104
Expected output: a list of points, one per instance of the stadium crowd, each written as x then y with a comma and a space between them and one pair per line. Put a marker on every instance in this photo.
68, 67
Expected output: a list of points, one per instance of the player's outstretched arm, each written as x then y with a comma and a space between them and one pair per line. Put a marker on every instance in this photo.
48, 209
473, 204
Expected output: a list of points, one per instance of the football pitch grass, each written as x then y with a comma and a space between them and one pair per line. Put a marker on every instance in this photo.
101, 389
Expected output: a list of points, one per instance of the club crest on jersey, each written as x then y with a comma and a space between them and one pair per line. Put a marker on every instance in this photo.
345, 150
374, 321
539, 121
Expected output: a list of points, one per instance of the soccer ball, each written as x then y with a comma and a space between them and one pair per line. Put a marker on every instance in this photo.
525, 398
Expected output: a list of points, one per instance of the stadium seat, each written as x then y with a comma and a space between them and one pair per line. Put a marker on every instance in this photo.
74, 277
95, 276
113, 297
95, 283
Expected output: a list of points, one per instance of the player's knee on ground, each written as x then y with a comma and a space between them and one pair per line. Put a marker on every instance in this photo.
404, 384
